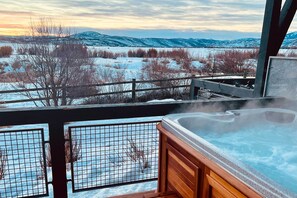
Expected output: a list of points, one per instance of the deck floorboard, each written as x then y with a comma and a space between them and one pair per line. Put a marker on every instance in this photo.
148, 194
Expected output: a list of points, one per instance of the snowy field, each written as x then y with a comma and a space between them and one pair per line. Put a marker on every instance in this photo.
130, 67
112, 167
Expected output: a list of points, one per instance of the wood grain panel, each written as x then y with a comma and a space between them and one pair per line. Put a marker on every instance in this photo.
180, 186
182, 163
182, 174
216, 194
188, 179
230, 188
221, 188
218, 188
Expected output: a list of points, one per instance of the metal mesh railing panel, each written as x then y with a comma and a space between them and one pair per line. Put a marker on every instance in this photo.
22, 164
111, 155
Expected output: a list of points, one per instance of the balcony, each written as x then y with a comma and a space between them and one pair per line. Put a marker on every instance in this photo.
105, 146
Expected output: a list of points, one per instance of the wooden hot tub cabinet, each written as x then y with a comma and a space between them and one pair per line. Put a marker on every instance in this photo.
187, 172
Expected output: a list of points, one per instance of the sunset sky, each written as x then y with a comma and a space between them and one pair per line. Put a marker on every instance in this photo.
218, 19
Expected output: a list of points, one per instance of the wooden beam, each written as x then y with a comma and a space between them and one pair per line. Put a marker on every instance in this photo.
275, 27
286, 17
222, 88
267, 48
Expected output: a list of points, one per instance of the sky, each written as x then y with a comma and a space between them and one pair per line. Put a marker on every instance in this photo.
216, 19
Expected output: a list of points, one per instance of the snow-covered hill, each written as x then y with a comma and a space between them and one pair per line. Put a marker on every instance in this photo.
92, 38
96, 39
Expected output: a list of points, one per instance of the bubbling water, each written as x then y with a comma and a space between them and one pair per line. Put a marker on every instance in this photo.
270, 149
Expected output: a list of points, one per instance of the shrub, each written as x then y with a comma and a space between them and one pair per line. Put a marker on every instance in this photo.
22, 51
109, 99
254, 54
2, 68
5, 51
158, 69
178, 94
140, 53
178, 54
292, 54
70, 49
3, 163
27, 50
152, 53
106, 54
232, 61
76, 151
209, 64
137, 154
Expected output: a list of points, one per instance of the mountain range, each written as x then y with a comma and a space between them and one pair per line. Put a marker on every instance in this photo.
92, 38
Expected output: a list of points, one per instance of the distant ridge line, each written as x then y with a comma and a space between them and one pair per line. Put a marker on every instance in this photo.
92, 38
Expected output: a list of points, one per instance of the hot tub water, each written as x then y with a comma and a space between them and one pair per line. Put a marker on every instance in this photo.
270, 149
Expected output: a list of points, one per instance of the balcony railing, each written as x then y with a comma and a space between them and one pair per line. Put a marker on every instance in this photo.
100, 155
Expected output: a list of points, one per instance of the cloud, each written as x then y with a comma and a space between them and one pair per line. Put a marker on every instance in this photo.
15, 13
5, 26
165, 9
194, 15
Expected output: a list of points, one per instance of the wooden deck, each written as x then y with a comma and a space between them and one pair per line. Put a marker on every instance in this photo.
149, 194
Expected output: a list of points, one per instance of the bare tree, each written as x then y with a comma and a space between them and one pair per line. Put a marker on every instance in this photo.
56, 64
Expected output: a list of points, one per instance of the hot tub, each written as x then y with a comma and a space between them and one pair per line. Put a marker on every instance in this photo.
257, 146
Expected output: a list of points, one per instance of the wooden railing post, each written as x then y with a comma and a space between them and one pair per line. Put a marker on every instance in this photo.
57, 150
193, 90
133, 90
64, 95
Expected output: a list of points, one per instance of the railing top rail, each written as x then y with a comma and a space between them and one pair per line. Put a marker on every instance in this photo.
67, 87
113, 124
11, 116
162, 80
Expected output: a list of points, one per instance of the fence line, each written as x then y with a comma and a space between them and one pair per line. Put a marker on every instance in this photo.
135, 86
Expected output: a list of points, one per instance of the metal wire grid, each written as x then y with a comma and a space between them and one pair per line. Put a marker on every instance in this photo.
113, 155
23, 159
